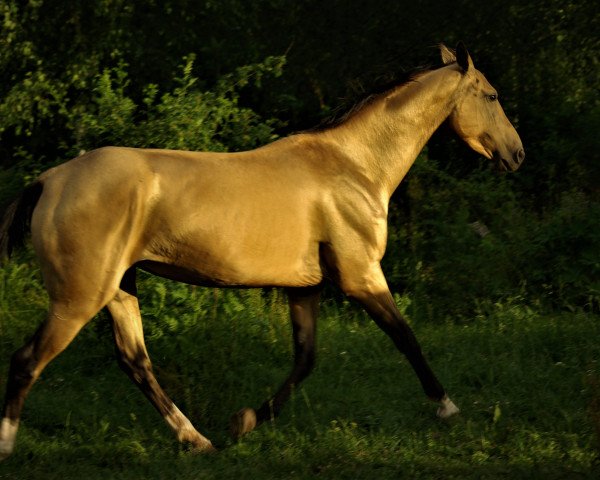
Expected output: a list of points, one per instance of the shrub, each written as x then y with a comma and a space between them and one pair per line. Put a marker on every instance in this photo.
187, 118
459, 244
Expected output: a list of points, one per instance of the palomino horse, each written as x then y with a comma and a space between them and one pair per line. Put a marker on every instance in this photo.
302, 209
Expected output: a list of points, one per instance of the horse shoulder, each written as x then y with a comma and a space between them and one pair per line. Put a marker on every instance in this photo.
350, 214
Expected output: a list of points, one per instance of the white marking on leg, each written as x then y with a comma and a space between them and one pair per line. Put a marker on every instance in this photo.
8, 433
447, 408
185, 431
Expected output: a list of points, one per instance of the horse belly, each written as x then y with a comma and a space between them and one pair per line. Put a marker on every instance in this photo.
237, 257
239, 223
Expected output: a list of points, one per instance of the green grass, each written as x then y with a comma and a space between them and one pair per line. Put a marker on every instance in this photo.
527, 383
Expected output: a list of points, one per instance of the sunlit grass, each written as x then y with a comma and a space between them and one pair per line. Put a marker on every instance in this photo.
527, 385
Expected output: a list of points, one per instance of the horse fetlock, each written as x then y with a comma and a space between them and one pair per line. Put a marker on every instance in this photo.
447, 408
200, 444
242, 422
8, 433
185, 431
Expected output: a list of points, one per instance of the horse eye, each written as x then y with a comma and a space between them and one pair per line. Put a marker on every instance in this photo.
493, 97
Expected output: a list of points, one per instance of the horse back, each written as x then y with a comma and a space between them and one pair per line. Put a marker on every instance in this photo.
232, 219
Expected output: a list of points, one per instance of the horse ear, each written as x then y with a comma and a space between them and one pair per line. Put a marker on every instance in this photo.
463, 58
448, 56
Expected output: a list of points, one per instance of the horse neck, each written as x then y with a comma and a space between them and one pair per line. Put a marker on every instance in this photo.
383, 139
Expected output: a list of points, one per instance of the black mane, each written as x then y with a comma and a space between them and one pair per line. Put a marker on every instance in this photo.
363, 97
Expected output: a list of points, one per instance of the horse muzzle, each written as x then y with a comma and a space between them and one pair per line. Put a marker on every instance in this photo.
513, 164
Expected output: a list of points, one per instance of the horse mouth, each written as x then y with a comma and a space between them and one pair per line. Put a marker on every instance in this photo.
510, 162
505, 165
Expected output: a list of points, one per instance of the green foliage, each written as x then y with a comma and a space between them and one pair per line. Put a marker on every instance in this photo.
462, 244
186, 118
23, 303
571, 229
113, 74
361, 413
497, 255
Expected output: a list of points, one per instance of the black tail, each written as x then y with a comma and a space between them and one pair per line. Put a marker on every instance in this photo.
17, 217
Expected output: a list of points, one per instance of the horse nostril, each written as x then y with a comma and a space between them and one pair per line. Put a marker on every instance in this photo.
519, 156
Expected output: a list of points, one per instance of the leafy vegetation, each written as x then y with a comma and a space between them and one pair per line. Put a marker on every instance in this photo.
211, 76
500, 275
528, 386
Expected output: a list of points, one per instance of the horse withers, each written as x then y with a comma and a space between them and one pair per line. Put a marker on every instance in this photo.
297, 212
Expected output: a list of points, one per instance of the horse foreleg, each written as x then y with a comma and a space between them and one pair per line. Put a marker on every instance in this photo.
377, 300
134, 361
304, 305
52, 337
365, 282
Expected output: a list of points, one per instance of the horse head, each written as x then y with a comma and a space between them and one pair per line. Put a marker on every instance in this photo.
478, 117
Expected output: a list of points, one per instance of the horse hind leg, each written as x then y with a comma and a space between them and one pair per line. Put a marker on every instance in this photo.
62, 324
133, 359
304, 305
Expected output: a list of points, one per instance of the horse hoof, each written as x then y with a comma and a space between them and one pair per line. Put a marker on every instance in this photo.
204, 448
447, 408
242, 422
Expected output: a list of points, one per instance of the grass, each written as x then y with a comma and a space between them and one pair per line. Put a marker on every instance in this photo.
527, 383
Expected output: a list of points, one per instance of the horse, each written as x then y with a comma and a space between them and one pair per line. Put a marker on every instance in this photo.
305, 209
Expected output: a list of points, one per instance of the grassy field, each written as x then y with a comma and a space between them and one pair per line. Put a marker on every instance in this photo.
528, 385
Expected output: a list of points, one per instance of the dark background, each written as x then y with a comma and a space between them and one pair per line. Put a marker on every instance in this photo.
233, 74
